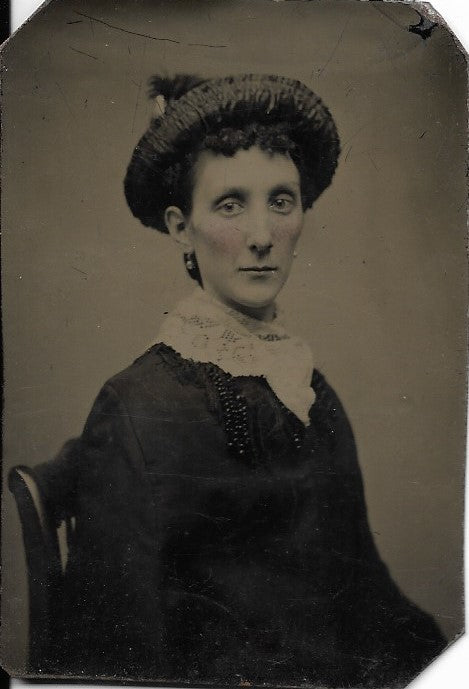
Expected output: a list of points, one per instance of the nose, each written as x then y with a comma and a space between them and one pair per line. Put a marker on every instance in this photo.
259, 235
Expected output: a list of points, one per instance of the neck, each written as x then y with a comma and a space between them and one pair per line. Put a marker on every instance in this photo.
261, 313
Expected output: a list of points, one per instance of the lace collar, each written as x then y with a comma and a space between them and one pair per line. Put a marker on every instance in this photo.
204, 330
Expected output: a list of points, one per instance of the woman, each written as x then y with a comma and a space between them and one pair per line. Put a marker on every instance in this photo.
221, 529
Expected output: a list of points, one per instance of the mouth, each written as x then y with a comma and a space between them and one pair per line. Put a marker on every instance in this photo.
259, 269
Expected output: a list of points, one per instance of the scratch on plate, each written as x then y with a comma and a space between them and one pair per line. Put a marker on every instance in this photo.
80, 271
143, 35
83, 53
322, 69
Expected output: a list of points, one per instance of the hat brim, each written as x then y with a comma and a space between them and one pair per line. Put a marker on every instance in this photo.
229, 102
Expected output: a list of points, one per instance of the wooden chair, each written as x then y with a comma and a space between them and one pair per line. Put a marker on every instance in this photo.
45, 567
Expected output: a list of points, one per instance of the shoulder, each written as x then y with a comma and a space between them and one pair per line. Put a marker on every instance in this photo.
324, 391
328, 407
326, 396
159, 378
142, 400
156, 362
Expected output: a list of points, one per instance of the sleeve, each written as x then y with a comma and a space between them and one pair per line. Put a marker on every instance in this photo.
108, 441
57, 481
390, 638
110, 613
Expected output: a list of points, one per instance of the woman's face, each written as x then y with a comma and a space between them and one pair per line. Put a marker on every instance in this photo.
245, 221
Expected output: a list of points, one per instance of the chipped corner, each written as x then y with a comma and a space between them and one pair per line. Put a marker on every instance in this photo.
428, 20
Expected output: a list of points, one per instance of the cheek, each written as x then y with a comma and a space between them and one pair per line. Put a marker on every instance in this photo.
217, 238
288, 230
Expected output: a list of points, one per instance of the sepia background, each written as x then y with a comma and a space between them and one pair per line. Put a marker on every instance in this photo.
379, 287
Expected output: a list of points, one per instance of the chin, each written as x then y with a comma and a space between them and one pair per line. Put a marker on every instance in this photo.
258, 298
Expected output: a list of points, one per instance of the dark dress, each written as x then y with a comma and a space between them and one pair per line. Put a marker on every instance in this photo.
220, 541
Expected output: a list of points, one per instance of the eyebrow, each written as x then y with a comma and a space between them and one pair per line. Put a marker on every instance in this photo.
291, 188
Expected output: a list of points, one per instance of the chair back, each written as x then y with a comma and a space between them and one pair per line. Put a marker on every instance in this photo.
44, 566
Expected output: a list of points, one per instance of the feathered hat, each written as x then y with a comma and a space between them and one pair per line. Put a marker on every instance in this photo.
188, 108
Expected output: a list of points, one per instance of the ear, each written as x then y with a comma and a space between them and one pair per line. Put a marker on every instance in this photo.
178, 228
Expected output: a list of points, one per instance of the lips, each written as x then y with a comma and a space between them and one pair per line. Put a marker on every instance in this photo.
258, 269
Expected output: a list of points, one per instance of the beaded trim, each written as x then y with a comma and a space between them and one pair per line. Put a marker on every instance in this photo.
224, 399
235, 414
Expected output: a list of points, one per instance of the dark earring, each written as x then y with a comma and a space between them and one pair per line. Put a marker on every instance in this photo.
189, 260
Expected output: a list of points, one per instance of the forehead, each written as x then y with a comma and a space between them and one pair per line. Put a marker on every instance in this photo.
253, 170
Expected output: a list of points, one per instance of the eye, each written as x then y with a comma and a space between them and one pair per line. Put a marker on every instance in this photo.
230, 207
282, 204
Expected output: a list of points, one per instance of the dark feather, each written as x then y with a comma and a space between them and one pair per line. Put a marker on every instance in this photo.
172, 88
